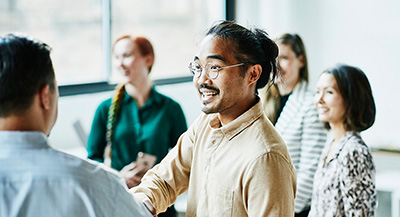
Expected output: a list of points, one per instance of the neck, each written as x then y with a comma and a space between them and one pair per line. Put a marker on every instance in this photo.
228, 116
19, 123
140, 92
338, 131
286, 88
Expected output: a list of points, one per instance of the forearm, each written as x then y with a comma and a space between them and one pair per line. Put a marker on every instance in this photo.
166, 181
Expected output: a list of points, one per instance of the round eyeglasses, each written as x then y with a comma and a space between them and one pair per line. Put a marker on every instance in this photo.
211, 70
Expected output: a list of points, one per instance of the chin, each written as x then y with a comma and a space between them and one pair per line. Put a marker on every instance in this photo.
323, 119
207, 110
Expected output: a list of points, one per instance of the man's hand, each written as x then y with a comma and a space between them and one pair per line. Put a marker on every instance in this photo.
133, 173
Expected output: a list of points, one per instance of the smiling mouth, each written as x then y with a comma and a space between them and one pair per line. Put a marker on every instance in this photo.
207, 96
207, 93
322, 110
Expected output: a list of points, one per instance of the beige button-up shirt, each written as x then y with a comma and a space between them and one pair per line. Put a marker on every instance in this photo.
240, 169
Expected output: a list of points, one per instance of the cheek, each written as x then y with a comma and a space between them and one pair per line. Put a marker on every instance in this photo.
339, 106
128, 61
283, 64
195, 83
316, 99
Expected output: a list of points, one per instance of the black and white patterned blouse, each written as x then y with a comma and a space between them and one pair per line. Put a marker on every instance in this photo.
345, 186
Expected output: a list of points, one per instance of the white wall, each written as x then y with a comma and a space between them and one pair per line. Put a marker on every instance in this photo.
363, 33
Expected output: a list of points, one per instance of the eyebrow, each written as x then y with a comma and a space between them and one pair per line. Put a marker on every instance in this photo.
217, 57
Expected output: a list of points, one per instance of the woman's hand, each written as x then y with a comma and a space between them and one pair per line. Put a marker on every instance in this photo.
133, 173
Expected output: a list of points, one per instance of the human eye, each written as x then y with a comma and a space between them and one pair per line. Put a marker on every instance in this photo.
330, 91
196, 66
283, 58
215, 67
126, 55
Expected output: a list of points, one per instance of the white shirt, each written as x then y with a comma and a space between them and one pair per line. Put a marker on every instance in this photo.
36, 180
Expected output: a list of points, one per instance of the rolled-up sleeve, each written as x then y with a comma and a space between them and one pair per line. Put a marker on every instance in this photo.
167, 180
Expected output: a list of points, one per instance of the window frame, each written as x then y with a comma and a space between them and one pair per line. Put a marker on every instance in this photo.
95, 87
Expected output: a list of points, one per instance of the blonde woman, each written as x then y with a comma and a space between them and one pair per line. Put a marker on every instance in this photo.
288, 103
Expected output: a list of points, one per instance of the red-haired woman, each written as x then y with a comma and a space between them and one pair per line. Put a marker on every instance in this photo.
137, 118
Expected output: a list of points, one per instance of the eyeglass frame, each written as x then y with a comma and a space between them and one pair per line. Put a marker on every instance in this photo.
203, 68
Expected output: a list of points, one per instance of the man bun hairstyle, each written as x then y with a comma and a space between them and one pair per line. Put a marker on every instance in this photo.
250, 46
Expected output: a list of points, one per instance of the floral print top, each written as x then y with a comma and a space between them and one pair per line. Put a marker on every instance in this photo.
345, 186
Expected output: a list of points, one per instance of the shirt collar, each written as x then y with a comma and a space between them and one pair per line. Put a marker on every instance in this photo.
341, 144
18, 139
240, 123
154, 98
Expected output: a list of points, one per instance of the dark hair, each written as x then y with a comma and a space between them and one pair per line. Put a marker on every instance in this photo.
297, 46
25, 67
251, 46
144, 45
356, 91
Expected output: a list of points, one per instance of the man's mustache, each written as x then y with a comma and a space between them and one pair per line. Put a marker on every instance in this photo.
208, 87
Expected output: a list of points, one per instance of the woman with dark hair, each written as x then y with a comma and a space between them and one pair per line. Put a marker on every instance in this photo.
288, 103
344, 183
137, 119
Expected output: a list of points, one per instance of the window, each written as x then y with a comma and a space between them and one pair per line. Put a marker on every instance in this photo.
173, 26
71, 27
81, 32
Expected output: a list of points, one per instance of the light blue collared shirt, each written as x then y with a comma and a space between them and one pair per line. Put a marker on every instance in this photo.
36, 180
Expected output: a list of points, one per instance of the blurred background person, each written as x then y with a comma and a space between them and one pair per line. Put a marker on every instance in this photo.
137, 118
345, 180
35, 179
288, 103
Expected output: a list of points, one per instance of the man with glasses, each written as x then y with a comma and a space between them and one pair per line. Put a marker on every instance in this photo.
231, 160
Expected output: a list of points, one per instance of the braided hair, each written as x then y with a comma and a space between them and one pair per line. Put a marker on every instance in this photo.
112, 117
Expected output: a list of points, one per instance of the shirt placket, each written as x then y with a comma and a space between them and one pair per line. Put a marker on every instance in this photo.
213, 143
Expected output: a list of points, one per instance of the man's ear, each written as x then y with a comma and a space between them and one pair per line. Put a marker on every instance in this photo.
255, 73
45, 97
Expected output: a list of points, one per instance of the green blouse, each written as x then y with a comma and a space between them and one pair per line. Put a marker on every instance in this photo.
152, 129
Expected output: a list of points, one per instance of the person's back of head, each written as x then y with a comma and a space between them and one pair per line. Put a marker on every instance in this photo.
252, 46
25, 67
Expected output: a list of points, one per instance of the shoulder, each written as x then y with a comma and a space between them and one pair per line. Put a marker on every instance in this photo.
269, 140
275, 160
165, 100
355, 143
355, 151
105, 104
91, 169
302, 98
